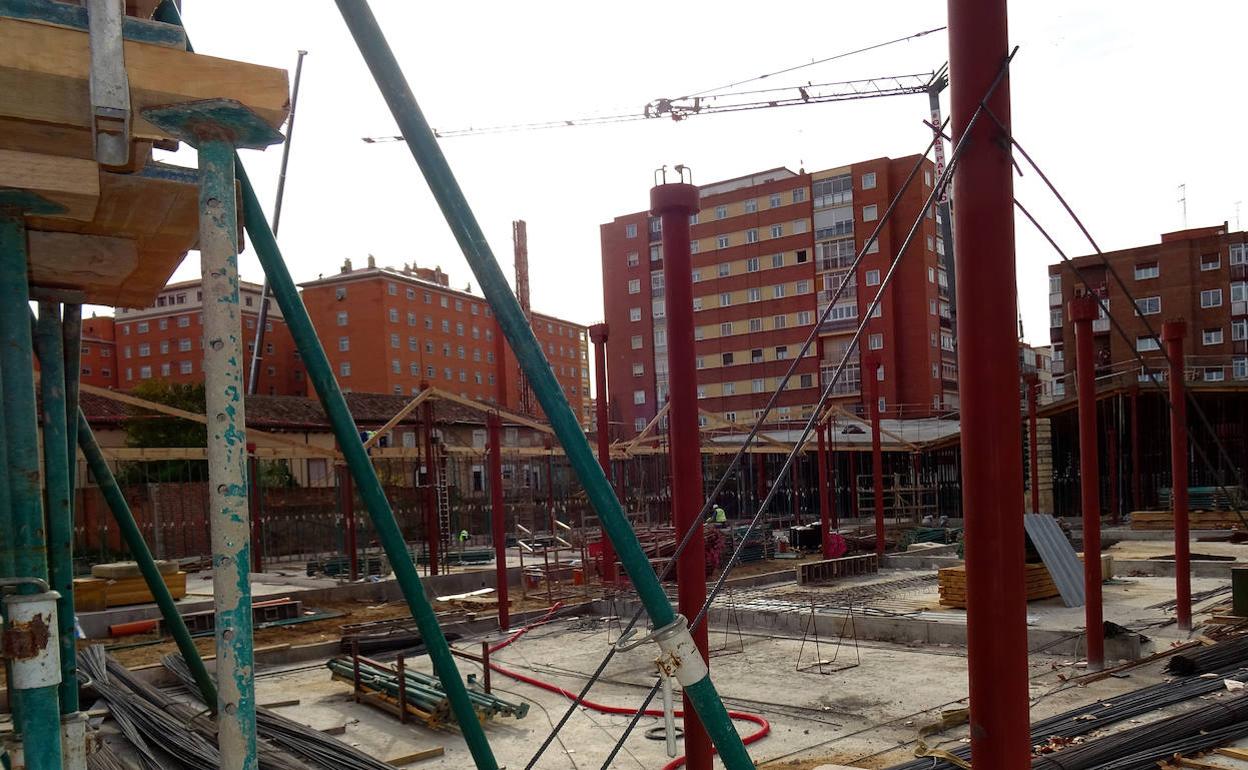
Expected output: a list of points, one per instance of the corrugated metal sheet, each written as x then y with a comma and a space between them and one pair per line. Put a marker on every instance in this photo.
1058, 556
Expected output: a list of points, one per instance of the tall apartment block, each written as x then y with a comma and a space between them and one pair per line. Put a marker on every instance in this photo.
770, 249
166, 341
1199, 275
386, 330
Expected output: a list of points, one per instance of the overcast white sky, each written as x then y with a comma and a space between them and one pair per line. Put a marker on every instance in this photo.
1120, 100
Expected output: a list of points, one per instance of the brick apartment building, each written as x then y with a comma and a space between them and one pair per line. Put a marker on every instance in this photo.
770, 248
99, 352
1199, 275
166, 341
386, 330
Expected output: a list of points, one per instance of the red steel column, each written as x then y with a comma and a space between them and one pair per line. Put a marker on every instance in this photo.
433, 532
853, 484
992, 447
598, 334
870, 374
498, 518
1083, 311
675, 203
1111, 450
1136, 494
825, 513
1032, 384
1173, 332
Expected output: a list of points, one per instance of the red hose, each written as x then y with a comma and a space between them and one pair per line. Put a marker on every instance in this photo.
543, 619
764, 727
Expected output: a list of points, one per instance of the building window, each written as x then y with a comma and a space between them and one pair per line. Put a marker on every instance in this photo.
777, 231
443, 302
145, 350
411, 319
753, 294
184, 344
639, 370
756, 356
931, 309
751, 235
751, 265
721, 242
164, 346
782, 352
874, 246
805, 318
751, 205
875, 341
634, 314
1211, 298
870, 213
1148, 305
1239, 253
1239, 329
799, 194
777, 260
725, 299
634, 259
729, 389
779, 322
1214, 374
344, 369
1210, 261
1143, 272
697, 304
656, 253
634, 286
803, 287
143, 327
145, 372
756, 325
726, 359
806, 381
630, 231
721, 212
639, 396
696, 276
873, 277
868, 180
1239, 368
393, 315
186, 367
837, 190
756, 385
1146, 343
394, 341
774, 200
778, 290
1211, 336
636, 342
725, 329
342, 318
1239, 291
800, 226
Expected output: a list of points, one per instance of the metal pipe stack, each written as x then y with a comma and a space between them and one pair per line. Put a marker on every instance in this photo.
422, 692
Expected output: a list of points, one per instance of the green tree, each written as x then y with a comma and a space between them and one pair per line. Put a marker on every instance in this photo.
147, 430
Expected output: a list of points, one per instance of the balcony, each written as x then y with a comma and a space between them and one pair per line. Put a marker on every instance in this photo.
837, 325
1100, 326
1058, 366
1239, 307
1055, 299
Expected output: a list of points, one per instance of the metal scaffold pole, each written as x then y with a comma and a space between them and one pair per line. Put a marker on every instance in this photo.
992, 462
671, 632
1172, 334
598, 334
36, 674
133, 537
48, 345
215, 128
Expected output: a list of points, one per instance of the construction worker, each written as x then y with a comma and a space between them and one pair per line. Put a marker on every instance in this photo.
719, 516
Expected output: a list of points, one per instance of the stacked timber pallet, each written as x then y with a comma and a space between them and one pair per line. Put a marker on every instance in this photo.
1039, 583
831, 569
1164, 520
119, 584
1208, 498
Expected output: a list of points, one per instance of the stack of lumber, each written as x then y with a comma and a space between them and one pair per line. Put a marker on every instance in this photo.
1208, 498
1164, 520
120, 229
1039, 583
119, 584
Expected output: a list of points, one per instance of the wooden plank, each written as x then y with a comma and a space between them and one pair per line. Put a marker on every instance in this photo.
418, 756
44, 78
398, 417
75, 261
487, 408
153, 406
1232, 752
71, 182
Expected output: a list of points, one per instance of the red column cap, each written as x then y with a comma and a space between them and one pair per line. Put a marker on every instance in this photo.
598, 333
1085, 308
1174, 329
676, 196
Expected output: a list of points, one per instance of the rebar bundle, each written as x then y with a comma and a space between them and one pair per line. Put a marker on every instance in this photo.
314, 746
420, 691
1094, 716
166, 733
1141, 747
1214, 659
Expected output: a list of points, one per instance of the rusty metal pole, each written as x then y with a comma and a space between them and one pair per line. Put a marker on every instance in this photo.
498, 519
1136, 493
825, 513
1032, 384
598, 333
1111, 452
870, 373
1083, 311
992, 456
675, 203
433, 532
1172, 332
350, 544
